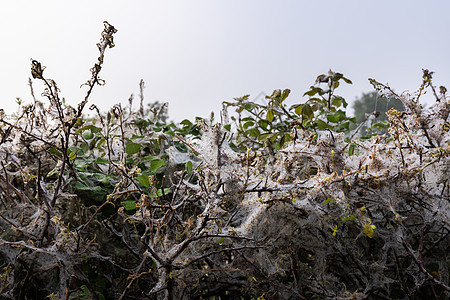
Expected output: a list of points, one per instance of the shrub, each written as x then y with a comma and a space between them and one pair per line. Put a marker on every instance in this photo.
125, 205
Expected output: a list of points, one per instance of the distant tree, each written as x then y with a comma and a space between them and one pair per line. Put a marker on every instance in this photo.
372, 102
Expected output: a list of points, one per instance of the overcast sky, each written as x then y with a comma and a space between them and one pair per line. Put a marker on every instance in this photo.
195, 54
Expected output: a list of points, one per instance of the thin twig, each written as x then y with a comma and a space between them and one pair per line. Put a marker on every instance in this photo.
422, 268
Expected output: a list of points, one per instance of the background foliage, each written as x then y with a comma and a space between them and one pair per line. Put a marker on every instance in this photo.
370, 102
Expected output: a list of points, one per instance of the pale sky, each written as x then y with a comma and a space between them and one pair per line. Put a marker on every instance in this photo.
195, 54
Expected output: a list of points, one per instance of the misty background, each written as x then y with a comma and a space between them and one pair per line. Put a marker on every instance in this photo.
196, 54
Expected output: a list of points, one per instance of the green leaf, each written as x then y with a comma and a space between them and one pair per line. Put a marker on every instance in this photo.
329, 200
254, 132
307, 111
248, 124
347, 80
298, 110
247, 119
314, 90
53, 172
275, 94
368, 230
104, 178
101, 161
186, 122
348, 218
221, 240
338, 101
322, 78
335, 84
134, 137
141, 123
95, 129
87, 187
81, 164
263, 124
92, 128
284, 95
166, 191
75, 150
322, 125
101, 143
351, 149
100, 177
270, 115
343, 127
132, 148
265, 136
87, 135
333, 118
72, 155
156, 164
344, 103
284, 139
159, 193
129, 205
153, 264
380, 125
55, 151
227, 127
149, 158
249, 106
336, 117
144, 180
189, 167
84, 147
